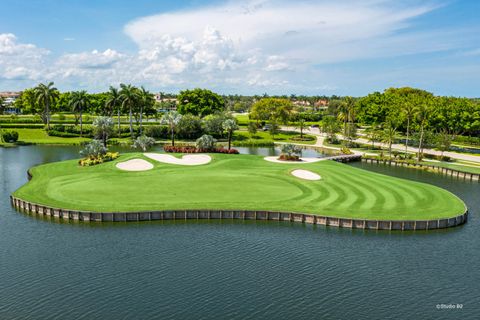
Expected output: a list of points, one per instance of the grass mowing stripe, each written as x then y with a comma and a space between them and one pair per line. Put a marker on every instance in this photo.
237, 182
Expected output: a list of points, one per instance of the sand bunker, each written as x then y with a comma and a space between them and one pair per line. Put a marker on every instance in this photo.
305, 174
135, 165
303, 160
186, 160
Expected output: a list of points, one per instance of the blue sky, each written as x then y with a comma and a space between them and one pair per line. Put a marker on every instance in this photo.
246, 47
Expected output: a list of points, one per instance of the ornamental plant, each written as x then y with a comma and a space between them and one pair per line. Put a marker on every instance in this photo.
144, 143
290, 152
205, 142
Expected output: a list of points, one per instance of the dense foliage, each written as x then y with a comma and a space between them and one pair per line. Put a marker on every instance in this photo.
199, 102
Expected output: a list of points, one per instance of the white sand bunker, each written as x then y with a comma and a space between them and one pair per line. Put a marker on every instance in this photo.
186, 160
302, 160
305, 174
135, 165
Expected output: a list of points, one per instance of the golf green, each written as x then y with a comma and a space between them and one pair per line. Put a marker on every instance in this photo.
237, 182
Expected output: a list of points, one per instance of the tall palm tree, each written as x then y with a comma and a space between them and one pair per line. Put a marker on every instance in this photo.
103, 127
129, 96
114, 102
146, 99
422, 115
408, 110
230, 125
79, 101
46, 95
347, 112
172, 119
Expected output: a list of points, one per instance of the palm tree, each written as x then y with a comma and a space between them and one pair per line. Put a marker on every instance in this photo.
388, 137
46, 95
301, 124
171, 119
129, 96
79, 101
347, 112
146, 99
230, 125
422, 115
103, 127
114, 103
409, 111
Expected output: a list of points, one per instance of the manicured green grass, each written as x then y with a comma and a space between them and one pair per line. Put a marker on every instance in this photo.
240, 137
470, 168
40, 136
237, 182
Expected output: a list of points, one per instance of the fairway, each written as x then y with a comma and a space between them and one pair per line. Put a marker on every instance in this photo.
237, 182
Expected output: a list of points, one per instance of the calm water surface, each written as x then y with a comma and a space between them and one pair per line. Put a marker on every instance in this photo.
231, 270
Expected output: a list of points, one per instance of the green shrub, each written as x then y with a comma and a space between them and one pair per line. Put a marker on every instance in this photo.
10, 136
346, 150
144, 143
55, 133
158, 132
254, 143
205, 142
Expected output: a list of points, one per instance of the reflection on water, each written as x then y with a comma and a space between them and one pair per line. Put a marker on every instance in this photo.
231, 269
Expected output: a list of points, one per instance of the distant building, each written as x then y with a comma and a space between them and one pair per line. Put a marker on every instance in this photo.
321, 104
9, 98
166, 104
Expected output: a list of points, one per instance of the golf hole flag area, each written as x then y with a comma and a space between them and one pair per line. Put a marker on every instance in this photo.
234, 182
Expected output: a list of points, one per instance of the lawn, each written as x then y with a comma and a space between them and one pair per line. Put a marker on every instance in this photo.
243, 137
237, 182
40, 136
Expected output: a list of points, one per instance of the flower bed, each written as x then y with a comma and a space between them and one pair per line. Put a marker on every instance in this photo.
286, 157
192, 149
91, 161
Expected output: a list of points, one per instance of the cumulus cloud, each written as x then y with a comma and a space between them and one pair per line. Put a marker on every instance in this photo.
20, 60
242, 46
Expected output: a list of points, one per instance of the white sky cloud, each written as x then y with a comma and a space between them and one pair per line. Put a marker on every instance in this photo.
240, 46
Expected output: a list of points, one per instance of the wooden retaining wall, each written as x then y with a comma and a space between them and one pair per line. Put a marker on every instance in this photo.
444, 171
41, 210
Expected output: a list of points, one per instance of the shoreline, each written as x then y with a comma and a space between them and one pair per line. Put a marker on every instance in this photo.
206, 214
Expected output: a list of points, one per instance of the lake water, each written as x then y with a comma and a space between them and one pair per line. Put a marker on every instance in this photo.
231, 269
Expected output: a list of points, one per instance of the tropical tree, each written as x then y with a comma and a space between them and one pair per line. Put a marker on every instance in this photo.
290, 150
146, 100
408, 109
301, 125
200, 102
444, 140
79, 101
422, 115
374, 134
205, 142
331, 127
114, 103
252, 128
230, 125
46, 95
93, 149
347, 113
172, 119
273, 110
144, 143
129, 96
103, 128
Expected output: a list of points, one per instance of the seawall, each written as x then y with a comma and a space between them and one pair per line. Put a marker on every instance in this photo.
64, 214
442, 170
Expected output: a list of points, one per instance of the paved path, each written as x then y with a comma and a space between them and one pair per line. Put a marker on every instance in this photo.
398, 147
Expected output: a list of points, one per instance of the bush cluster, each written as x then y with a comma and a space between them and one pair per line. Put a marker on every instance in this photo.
91, 161
10, 136
192, 149
286, 157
